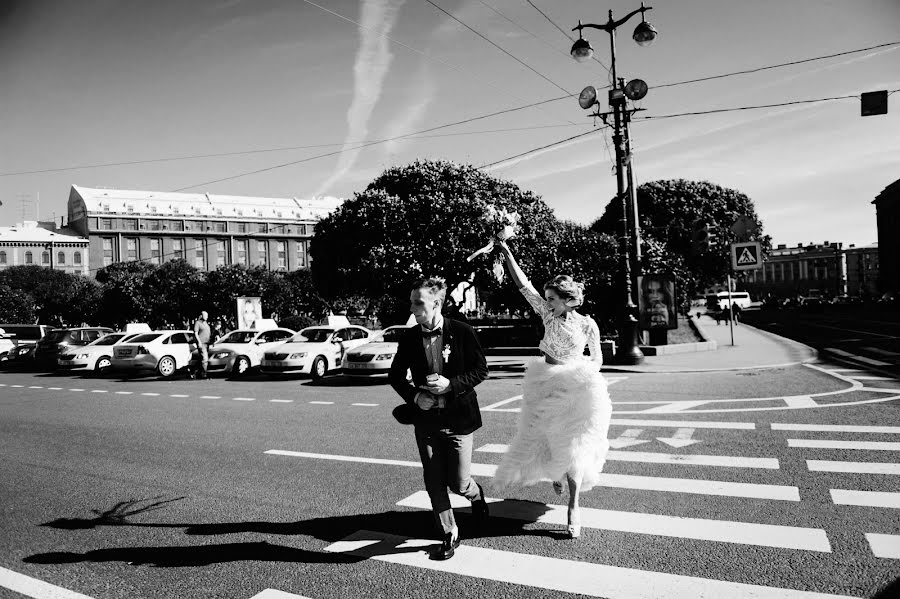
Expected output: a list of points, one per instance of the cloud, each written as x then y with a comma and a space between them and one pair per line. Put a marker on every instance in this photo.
373, 60
421, 95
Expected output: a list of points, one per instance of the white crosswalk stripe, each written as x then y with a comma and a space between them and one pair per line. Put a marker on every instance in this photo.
884, 545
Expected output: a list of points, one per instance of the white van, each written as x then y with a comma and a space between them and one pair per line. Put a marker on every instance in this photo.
741, 298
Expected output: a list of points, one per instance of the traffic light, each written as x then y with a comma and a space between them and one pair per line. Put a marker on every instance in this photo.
700, 236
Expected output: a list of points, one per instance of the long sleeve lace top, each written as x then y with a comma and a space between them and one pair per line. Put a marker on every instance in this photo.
565, 337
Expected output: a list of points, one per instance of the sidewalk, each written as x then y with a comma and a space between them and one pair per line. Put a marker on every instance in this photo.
752, 348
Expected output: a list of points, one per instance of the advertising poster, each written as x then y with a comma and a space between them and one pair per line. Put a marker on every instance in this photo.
249, 310
657, 302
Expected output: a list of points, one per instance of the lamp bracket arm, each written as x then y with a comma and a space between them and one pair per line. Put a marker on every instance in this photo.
611, 25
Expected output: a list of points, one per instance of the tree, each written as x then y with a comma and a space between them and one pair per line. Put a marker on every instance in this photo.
667, 210
293, 294
125, 296
175, 288
421, 219
227, 283
16, 305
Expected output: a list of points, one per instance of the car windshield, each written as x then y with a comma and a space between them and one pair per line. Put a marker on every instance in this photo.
56, 336
391, 335
108, 339
313, 335
27, 333
146, 338
238, 337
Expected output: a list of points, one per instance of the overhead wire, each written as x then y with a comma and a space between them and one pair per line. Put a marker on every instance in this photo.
565, 33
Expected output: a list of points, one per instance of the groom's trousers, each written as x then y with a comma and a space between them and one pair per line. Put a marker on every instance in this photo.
446, 463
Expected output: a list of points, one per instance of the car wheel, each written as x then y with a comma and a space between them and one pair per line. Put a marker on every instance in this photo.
166, 366
102, 365
241, 366
319, 367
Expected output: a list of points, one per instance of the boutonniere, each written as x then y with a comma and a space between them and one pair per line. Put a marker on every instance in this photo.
446, 352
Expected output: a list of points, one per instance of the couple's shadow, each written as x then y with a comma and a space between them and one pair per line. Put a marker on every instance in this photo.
385, 526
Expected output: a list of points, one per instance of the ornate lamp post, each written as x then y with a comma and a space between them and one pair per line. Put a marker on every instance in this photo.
628, 351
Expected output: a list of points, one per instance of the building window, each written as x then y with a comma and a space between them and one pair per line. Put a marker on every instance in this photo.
193, 225
281, 248
301, 254
221, 253
152, 209
178, 249
28, 258
76, 258
262, 228
219, 226
131, 251
106, 224
129, 209
262, 250
2, 257
129, 224
107, 251
154, 224
242, 251
241, 227
60, 257
199, 255
155, 251
174, 225
45, 257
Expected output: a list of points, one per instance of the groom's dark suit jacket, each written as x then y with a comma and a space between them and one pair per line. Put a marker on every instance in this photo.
465, 366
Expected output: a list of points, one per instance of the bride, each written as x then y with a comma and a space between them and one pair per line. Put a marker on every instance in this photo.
562, 429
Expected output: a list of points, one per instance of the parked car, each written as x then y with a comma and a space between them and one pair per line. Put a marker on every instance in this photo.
374, 357
165, 352
22, 339
239, 351
96, 356
314, 350
59, 341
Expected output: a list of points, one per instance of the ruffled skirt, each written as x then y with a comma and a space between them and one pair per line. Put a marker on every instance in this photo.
562, 428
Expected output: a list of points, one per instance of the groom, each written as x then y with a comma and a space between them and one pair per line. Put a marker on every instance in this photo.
447, 362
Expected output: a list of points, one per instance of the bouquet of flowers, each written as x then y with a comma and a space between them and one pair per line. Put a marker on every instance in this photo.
503, 225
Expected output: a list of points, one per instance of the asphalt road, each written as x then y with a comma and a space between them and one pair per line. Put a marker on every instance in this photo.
280, 489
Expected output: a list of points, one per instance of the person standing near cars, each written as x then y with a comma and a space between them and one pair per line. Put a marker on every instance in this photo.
202, 332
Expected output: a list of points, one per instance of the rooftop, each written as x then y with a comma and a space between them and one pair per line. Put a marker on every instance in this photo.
30, 232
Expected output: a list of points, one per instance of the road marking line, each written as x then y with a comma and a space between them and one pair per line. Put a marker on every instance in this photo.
243, 399
594, 580
364, 404
344, 458
875, 378
800, 401
502, 403
99, 391
210, 397
282, 400
884, 545
151, 394
853, 467
32, 587
124, 392
276, 594
684, 423
18, 386
865, 498
323, 403
834, 444
724, 531
673, 407
35, 387
51, 388
628, 438
864, 359
494, 448
835, 428
74, 389
693, 459
883, 352
2, 384
178, 395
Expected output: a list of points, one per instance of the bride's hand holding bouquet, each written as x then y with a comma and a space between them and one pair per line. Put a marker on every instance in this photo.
503, 225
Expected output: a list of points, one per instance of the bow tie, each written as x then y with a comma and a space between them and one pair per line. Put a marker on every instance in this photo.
431, 333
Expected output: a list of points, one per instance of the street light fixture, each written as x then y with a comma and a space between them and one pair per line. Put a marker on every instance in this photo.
628, 351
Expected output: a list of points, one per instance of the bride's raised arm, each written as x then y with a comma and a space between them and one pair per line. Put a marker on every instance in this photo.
512, 266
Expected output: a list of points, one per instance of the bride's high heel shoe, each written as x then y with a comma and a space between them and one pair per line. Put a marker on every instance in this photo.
573, 530
557, 487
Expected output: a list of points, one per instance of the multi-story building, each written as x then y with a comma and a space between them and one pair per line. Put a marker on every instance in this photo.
42, 244
887, 210
206, 230
862, 270
792, 271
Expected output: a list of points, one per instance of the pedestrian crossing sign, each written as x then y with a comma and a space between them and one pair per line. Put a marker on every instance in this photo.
746, 255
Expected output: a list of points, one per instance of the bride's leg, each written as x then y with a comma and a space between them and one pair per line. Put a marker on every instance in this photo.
574, 514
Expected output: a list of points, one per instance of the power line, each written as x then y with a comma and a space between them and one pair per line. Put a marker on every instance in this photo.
532, 151
546, 43
564, 32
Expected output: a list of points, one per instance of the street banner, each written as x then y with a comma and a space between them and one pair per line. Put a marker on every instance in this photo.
746, 255
656, 302
249, 310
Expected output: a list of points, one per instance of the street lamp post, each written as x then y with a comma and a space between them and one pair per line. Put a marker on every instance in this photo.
628, 350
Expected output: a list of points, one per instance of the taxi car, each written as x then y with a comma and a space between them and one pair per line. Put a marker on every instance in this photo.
314, 350
374, 357
96, 356
165, 352
65, 340
240, 350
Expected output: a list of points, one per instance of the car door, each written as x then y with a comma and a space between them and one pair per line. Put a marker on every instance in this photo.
181, 349
358, 337
267, 341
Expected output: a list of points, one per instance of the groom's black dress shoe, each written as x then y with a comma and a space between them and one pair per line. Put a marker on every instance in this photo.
480, 508
448, 547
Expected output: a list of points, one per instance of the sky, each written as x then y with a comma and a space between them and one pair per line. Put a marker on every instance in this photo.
303, 98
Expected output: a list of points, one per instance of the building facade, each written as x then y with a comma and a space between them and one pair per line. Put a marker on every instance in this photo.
43, 244
863, 266
792, 271
206, 230
887, 211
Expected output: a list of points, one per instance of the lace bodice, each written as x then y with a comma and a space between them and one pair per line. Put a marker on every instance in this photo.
565, 338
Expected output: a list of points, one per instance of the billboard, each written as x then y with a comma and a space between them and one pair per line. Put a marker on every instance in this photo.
249, 310
656, 302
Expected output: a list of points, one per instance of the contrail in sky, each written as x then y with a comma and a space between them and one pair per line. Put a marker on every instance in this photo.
369, 70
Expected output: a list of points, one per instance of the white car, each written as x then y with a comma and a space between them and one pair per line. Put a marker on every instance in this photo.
239, 351
96, 355
314, 350
374, 357
165, 352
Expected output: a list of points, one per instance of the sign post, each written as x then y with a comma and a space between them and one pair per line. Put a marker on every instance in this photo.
745, 255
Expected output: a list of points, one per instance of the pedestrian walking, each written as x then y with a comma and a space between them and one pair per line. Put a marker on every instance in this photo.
736, 313
446, 362
566, 409
202, 332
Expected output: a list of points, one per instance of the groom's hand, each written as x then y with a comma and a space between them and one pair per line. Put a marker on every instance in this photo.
439, 386
425, 400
